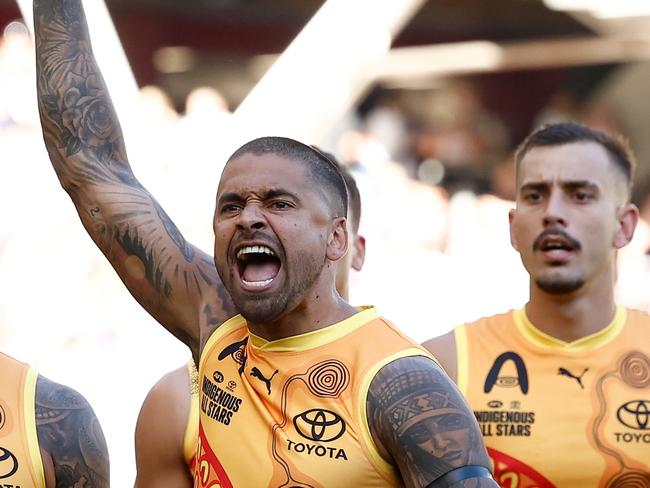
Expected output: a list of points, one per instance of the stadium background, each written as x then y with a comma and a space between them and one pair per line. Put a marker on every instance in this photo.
424, 100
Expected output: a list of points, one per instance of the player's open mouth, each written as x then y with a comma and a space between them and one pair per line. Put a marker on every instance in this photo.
556, 248
258, 266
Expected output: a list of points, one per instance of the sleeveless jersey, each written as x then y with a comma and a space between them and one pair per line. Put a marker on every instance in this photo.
192, 426
20, 456
292, 412
558, 414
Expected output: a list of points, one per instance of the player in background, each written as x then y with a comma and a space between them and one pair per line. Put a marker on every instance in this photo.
561, 387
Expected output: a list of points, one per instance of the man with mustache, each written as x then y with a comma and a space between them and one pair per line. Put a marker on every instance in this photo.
300, 389
168, 424
561, 388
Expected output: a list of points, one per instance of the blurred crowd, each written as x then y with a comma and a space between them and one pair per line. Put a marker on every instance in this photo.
436, 181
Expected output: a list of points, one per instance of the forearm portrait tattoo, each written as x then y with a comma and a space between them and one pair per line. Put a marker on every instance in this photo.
423, 421
70, 432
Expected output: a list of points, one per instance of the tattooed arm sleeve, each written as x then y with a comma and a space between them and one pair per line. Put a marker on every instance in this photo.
420, 420
69, 432
171, 279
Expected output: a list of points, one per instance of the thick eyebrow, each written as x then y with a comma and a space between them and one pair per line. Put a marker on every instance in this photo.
567, 185
228, 197
278, 192
267, 195
539, 186
579, 184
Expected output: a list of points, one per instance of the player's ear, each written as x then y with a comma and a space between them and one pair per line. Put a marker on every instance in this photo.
628, 218
337, 243
359, 253
511, 219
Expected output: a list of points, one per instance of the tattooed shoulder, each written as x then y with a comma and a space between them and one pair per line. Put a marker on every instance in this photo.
420, 418
69, 432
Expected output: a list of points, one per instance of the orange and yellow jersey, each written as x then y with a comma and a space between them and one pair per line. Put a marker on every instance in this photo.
558, 414
20, 456
292, 412
192, 426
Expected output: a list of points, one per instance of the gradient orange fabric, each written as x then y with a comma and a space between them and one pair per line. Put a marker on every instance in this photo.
292, 412
560, 414
20, 457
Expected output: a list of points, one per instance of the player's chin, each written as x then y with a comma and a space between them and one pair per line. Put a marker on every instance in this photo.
559, 283
259, 308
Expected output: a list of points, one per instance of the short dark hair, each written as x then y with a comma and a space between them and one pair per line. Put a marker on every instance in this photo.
354, 197
323, 171
616, 146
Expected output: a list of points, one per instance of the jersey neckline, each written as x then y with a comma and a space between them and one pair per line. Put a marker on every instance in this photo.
316, 338
587, 343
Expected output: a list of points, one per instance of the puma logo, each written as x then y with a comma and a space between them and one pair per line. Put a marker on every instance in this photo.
256, 373
566, 372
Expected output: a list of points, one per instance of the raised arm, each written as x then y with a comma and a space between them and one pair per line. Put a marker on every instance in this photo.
72, 443
420, 420
173, 280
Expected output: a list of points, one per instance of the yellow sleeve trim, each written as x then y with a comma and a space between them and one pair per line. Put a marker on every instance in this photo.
462, 359
384, 467
29, 413
192, 426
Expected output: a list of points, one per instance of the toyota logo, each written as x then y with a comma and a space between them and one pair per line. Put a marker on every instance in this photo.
635, 414
8, 463
318, 424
